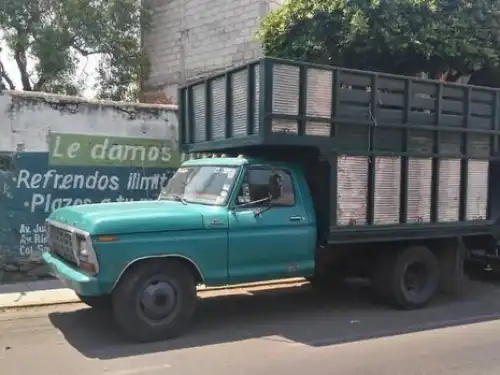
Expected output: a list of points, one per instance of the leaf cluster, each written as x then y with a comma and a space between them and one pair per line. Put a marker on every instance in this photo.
57, 34
396, 36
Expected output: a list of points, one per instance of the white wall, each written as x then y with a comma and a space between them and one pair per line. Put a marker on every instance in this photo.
26, 119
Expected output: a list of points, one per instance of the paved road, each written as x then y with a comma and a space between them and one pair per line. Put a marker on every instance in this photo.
288, 331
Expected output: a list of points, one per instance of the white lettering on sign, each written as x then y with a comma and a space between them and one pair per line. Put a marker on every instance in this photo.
45, 186
32, 239
71, 152
103, 151
53, 180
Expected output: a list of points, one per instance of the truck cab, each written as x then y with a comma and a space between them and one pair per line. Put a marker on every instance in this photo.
225, 220
326, 173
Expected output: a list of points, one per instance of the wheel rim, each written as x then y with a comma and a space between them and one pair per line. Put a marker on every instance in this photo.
416, 278
158, 300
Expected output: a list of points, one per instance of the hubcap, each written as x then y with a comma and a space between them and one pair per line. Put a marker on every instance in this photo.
415, 277
158, 300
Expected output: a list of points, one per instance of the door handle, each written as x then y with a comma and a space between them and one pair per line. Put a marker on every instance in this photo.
295, 218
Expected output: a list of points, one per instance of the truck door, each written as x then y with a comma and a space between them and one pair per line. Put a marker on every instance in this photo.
269, 239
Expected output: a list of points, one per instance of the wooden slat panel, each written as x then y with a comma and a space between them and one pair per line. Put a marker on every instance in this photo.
422, 118
387, 188
391, 116
453, 92
477, 190
392, 84
481, 122
423, 103
452, 106
354, 79
419, 190
352, 189
481, 109
388, 139
451, 120
449, 190
352, 137
427, 88
354, 112
478, 95
354, 96
420, 141
389, 99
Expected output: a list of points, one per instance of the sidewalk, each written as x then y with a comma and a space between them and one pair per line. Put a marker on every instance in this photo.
52, 292
36, 293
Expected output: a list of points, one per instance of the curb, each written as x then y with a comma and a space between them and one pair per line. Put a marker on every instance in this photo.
41, 298
23, 300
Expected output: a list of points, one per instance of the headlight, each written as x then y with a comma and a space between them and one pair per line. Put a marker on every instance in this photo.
87, 258
83, 253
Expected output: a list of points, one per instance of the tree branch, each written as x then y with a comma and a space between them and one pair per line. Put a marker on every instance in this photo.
5, 77
39, 84
74, 44
21, 60
20, 57
84, 52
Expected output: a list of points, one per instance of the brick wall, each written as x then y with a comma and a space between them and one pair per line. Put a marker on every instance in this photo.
189, 38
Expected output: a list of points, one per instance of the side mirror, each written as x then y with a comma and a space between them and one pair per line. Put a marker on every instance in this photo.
275, 186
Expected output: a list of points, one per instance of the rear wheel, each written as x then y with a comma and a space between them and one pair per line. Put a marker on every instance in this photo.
155, 301
410, 279
97, 302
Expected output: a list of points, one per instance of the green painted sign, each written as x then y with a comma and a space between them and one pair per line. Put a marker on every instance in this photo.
98, 150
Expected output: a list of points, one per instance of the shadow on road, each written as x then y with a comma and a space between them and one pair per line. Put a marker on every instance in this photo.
293, 314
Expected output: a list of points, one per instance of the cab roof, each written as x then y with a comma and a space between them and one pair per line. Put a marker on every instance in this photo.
219, 161
230, 161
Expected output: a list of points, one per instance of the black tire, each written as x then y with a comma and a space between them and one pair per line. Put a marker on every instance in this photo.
128, 301
97, 302
399, 268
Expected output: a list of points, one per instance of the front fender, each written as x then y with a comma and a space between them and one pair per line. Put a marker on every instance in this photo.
184, 259
206, 250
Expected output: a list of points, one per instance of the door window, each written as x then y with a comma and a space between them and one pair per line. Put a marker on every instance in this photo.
255, 187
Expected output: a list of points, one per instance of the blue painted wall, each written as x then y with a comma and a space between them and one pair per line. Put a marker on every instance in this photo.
31, 188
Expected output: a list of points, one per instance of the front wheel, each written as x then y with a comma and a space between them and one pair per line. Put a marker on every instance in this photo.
155, 301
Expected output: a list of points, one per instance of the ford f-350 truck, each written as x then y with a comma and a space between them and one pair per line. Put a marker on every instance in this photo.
328, 173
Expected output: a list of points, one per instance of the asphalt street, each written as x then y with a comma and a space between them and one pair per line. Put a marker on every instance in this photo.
283, 331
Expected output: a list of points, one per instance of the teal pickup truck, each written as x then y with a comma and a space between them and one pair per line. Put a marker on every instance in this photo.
327, 173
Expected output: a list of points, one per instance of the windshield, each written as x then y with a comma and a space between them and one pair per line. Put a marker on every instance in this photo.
200, 184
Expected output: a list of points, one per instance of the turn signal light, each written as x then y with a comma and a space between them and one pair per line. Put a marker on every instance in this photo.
107, 238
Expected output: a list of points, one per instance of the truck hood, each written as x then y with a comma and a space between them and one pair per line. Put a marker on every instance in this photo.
142, 216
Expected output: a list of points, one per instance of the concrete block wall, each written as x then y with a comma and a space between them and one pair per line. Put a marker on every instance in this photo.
190, 38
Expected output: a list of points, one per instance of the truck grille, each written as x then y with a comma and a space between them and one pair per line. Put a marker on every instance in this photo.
60, 243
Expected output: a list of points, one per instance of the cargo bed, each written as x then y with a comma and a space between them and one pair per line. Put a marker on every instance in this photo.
402, 153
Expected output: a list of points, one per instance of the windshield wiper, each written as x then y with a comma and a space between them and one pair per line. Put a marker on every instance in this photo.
180, 199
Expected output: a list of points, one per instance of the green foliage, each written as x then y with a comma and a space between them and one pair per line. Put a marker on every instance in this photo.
57, 34
397, 36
